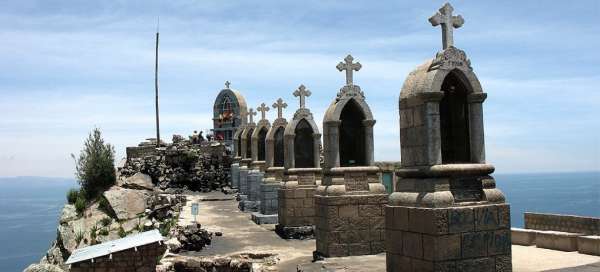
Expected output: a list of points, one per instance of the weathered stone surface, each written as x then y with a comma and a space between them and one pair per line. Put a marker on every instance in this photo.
43, 268
138, 181
68, 213
525, 237
127, 203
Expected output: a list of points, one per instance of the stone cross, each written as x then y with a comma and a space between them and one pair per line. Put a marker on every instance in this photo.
280, 105
227, 83
263, 110
302, 92
251, 113
444, 17
349, 67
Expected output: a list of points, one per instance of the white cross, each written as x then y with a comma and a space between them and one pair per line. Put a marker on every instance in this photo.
349, 67
280, 105
444, 17
251, 113
263, 109
302, 92
227, 83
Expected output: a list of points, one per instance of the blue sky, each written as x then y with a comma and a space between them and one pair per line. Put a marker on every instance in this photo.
68, 66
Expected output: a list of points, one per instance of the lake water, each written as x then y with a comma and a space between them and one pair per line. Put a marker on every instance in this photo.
30, 206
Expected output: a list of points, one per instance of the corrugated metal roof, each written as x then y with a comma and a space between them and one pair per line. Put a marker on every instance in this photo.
106, 248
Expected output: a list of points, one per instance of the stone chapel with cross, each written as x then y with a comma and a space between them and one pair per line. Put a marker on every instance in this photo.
446, 214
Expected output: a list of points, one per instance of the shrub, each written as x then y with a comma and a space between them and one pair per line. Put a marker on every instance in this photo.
94, 168
79, 236
122, 232
105, 221
80, 204
93, 231
72, 195
103, 231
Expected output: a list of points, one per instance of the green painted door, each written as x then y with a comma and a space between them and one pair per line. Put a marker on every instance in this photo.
388, 182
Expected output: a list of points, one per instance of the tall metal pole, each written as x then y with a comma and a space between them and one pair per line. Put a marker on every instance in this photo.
156, 91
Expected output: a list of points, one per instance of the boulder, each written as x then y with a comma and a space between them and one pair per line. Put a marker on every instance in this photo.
68, 213
138, 181
127, 203
43, 268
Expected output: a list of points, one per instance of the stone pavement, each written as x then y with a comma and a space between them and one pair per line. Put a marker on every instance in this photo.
219, 212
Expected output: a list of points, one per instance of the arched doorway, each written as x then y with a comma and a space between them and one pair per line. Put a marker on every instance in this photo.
249, 143
262, 135
303, 145
278, 147
454, 121
239, 145
352, 136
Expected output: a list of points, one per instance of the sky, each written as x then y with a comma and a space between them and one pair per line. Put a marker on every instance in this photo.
69, 66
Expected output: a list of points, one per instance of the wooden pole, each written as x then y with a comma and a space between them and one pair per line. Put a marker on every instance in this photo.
156, 92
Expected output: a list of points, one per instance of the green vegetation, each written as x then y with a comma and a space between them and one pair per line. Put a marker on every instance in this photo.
103, 231
166, 226
72, 195
105, 221
122, 232
80, 204
93, 231
95, 169
79, 236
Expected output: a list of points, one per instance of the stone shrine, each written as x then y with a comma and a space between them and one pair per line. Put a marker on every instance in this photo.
301, 174
227, 114
446, 213
246, 151
274, 169
349, 203
237, 150
257, 167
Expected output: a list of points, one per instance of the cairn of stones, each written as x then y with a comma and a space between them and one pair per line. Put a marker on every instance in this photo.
246, 150
446, 213
296, 210
350, 201
257, 166
273, 169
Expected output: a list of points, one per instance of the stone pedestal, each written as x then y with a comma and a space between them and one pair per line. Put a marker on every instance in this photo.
451, 219
350, 212
235, 175
252, 201
296, 207
243, 183
268, 197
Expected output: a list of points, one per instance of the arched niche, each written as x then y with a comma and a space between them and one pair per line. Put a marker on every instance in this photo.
249, 143
441, 113
352, 136
303, 143
454, 120
239, 145
278, 145
262, 136
348, 133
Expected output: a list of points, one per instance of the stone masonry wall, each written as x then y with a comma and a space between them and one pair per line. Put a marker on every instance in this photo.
144, 259
565, 223
296, 206
268, 198
470, 238
350, 225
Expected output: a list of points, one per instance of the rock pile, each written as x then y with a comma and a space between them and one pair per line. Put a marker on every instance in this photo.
189, 238
197, 167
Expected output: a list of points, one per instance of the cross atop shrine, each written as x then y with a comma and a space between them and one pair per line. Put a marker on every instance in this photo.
280, 105
227, 83
263, 110
302, 92
251, 114
445, 18
349, 67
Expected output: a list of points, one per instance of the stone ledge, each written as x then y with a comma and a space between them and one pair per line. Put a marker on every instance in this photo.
558, 240
589, 244
524, 237
300, 233
261, 219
